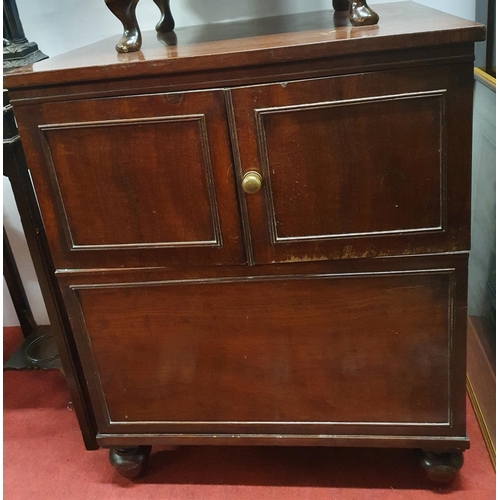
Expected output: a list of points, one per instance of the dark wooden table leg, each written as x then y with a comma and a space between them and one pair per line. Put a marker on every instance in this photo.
341, 5
167, 22
124, 10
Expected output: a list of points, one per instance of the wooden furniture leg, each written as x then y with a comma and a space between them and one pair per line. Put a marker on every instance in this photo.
124, 10
166, 23
129, 462
441, 467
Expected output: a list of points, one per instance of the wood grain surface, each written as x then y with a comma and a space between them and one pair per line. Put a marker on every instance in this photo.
255, 42
287, 352
137, 181
357, 166
328, 308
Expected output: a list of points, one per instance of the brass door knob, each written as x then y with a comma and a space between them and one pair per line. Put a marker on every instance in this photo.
252, 182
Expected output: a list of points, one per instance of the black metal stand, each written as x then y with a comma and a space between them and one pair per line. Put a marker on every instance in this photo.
38, 350
17, 50
16, 169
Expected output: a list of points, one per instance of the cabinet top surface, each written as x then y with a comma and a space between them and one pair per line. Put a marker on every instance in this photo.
248, 43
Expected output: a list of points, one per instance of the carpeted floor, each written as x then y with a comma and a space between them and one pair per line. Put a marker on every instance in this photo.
44, 458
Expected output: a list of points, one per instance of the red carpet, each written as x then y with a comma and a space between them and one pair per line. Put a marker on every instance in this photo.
44, 458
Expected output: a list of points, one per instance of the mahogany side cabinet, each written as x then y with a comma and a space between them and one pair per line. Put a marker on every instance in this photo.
259, 232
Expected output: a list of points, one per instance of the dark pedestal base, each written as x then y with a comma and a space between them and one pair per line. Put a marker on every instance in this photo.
16, 55
37, 352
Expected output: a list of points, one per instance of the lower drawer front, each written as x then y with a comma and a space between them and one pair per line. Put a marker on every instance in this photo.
283, 349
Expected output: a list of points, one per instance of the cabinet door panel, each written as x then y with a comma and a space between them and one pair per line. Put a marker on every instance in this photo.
367, 349
136, 181
355, 166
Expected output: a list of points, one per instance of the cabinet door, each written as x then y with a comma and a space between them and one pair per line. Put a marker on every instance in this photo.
135, 180
357, 166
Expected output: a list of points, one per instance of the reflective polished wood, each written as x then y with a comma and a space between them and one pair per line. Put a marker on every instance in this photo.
261, 231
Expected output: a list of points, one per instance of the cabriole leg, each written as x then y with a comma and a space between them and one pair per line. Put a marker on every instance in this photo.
166, 23
441, 467
341, 5
124, 10
129, 462
361, 15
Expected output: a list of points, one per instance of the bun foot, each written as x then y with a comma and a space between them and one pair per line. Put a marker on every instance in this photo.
362, 15
441, 467
129, 462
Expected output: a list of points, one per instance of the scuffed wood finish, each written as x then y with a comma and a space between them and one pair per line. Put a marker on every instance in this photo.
333, 350
322, 301
163, 327
361, 440
359, 15
231, 46
390, 140
137, 181
399, 140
